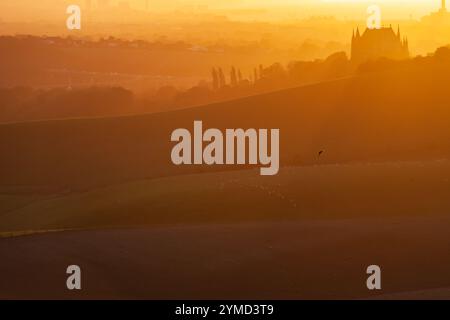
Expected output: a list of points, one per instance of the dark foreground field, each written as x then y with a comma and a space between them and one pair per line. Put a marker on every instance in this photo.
309, 232
291, 260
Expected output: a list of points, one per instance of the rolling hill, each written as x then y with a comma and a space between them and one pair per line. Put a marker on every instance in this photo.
385, 116
378, 194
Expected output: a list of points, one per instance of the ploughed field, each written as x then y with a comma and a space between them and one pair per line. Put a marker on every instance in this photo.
309, 232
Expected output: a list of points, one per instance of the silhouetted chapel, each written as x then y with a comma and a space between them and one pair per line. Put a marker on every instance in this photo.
378, 43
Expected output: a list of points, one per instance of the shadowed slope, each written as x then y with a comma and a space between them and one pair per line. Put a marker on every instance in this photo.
385, 116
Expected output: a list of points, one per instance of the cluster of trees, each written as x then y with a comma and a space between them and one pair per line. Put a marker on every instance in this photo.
440, 58
219, 81
22, 104
232, 84
236, 78
278, 76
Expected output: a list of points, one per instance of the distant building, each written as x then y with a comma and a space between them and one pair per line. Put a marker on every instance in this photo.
378, 43
440, 17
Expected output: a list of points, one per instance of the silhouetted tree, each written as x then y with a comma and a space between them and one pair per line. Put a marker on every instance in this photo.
442, 53
233, 77
222, 81
215, 77
275, 75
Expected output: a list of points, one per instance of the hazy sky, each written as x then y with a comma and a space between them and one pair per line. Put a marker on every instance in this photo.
14, 10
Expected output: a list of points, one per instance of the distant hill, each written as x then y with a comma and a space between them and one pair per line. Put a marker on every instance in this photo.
402, 114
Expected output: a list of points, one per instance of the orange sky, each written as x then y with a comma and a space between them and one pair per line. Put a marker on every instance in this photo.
26, 10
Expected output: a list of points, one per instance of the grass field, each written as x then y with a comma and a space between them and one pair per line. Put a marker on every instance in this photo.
316, 192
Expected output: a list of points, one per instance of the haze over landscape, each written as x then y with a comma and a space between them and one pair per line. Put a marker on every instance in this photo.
85, 171
48, 9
